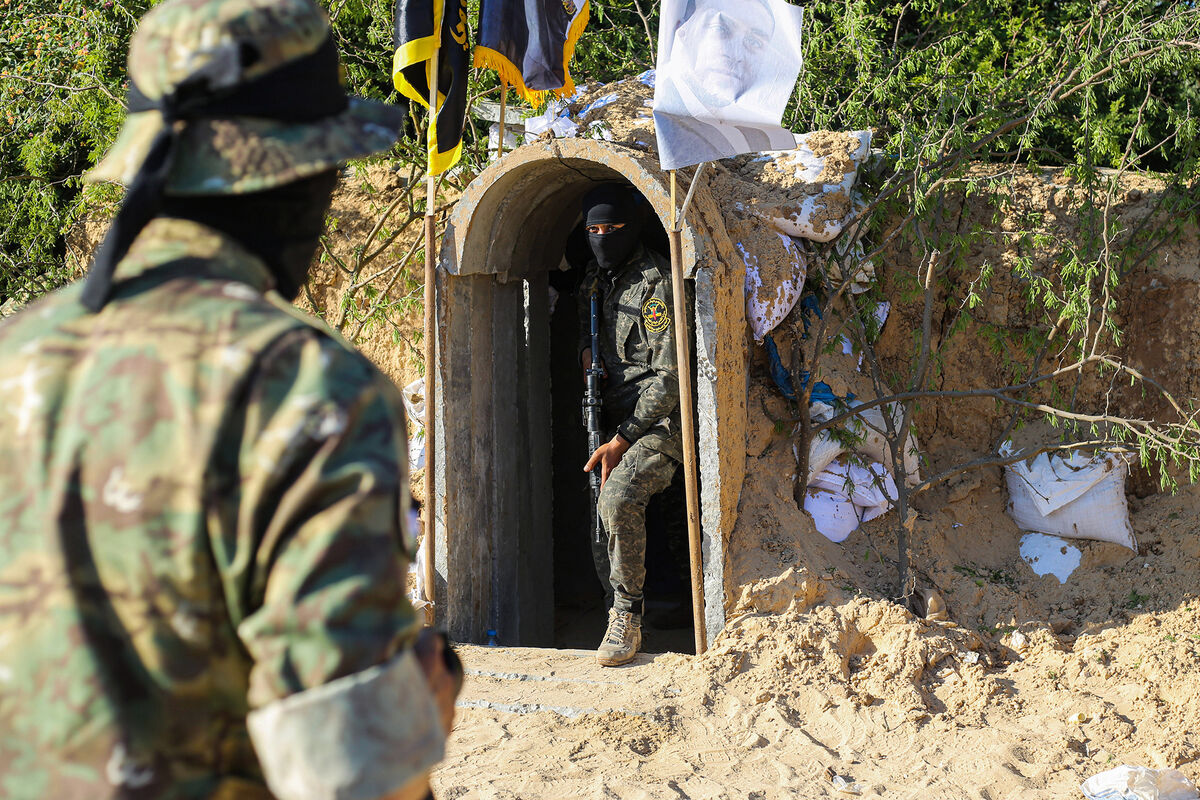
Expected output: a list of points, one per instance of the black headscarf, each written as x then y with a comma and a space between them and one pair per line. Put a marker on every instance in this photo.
614, 203
282, 226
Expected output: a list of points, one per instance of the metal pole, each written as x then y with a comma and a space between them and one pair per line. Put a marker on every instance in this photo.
431, 347
503, 114
687, 408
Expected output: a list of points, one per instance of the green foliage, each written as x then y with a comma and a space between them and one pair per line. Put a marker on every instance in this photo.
61, 71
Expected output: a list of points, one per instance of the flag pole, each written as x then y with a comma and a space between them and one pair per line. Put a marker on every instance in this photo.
687, 407
431, 348
503, 114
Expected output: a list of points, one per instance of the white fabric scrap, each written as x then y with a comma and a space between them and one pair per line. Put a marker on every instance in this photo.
1050, 555
648, 77
1139, 783
598, 129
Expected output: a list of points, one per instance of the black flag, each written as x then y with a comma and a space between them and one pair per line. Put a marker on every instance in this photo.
530, 43
420, 26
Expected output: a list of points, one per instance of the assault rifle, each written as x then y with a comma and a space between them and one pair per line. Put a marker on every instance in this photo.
592, 405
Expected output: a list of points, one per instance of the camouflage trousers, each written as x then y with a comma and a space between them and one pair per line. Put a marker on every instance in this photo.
621, 560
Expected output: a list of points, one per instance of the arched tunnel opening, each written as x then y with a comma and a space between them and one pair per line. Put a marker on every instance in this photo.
580, 610
514, 563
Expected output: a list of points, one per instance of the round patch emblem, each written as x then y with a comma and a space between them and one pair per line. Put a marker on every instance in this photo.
654, 312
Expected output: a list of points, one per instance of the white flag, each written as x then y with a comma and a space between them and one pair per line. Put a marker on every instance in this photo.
726, 69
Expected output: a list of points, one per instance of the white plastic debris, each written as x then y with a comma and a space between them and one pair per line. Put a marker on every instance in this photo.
414, 404
1075, 496
511, 142
598, 129
850, 252
808, 218
648, 77
417, 569
847, 786
1139, 783
767, 308
600, 102
555, 119
845, 495
1050, 555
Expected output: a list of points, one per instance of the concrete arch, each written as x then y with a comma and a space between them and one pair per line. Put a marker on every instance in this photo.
520, 210
507, 232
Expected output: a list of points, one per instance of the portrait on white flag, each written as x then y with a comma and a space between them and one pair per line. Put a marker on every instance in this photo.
726, 69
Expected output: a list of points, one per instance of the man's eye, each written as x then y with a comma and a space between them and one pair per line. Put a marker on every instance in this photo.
754, 44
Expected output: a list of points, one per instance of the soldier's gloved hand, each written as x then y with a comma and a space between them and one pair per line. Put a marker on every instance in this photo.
443, 671
608, 456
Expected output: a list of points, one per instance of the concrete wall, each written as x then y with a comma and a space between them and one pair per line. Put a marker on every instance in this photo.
493, 452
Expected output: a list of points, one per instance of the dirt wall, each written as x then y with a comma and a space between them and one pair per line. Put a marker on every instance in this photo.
1038, 219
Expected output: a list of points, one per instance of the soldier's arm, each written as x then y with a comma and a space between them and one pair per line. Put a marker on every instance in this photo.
659, 395
313, 551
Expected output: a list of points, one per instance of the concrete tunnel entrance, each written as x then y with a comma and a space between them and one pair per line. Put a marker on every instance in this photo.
511, 505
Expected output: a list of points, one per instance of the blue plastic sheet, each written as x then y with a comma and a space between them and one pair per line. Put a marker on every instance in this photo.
822, 392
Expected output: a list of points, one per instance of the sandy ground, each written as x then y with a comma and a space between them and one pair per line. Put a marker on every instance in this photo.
811, 680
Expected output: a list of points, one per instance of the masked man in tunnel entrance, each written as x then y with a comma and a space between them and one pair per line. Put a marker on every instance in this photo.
641, 399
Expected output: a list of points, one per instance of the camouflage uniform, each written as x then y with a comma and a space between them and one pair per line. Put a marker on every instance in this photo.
202, 536
641, 403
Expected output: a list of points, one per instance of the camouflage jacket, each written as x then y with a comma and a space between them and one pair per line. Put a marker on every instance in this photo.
201, 521
637, 344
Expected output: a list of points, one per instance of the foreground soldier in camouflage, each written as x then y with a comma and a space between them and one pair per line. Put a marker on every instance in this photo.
202, 512
641, 400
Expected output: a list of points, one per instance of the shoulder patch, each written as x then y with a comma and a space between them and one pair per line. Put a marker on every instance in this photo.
654, 312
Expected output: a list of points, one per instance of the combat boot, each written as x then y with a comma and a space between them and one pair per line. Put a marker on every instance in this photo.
622, 639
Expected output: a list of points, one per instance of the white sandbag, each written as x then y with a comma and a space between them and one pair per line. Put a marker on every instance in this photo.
414, 405
1077, 496
833, 513
869, 487
821, 453
768, 305
808, 216
845, 495
875, 446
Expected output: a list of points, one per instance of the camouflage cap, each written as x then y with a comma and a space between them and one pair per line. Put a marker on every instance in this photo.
238, 154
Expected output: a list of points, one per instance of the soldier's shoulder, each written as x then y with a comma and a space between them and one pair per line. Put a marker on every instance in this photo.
654, 266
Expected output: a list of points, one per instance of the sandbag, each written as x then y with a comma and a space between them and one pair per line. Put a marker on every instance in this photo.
875, 446
823, 170
776, 267
844, 495
1077, 497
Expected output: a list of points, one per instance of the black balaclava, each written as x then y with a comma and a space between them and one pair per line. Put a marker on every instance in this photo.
282, 226
609, 204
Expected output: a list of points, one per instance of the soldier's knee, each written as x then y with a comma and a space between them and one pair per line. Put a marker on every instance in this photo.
610, 505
